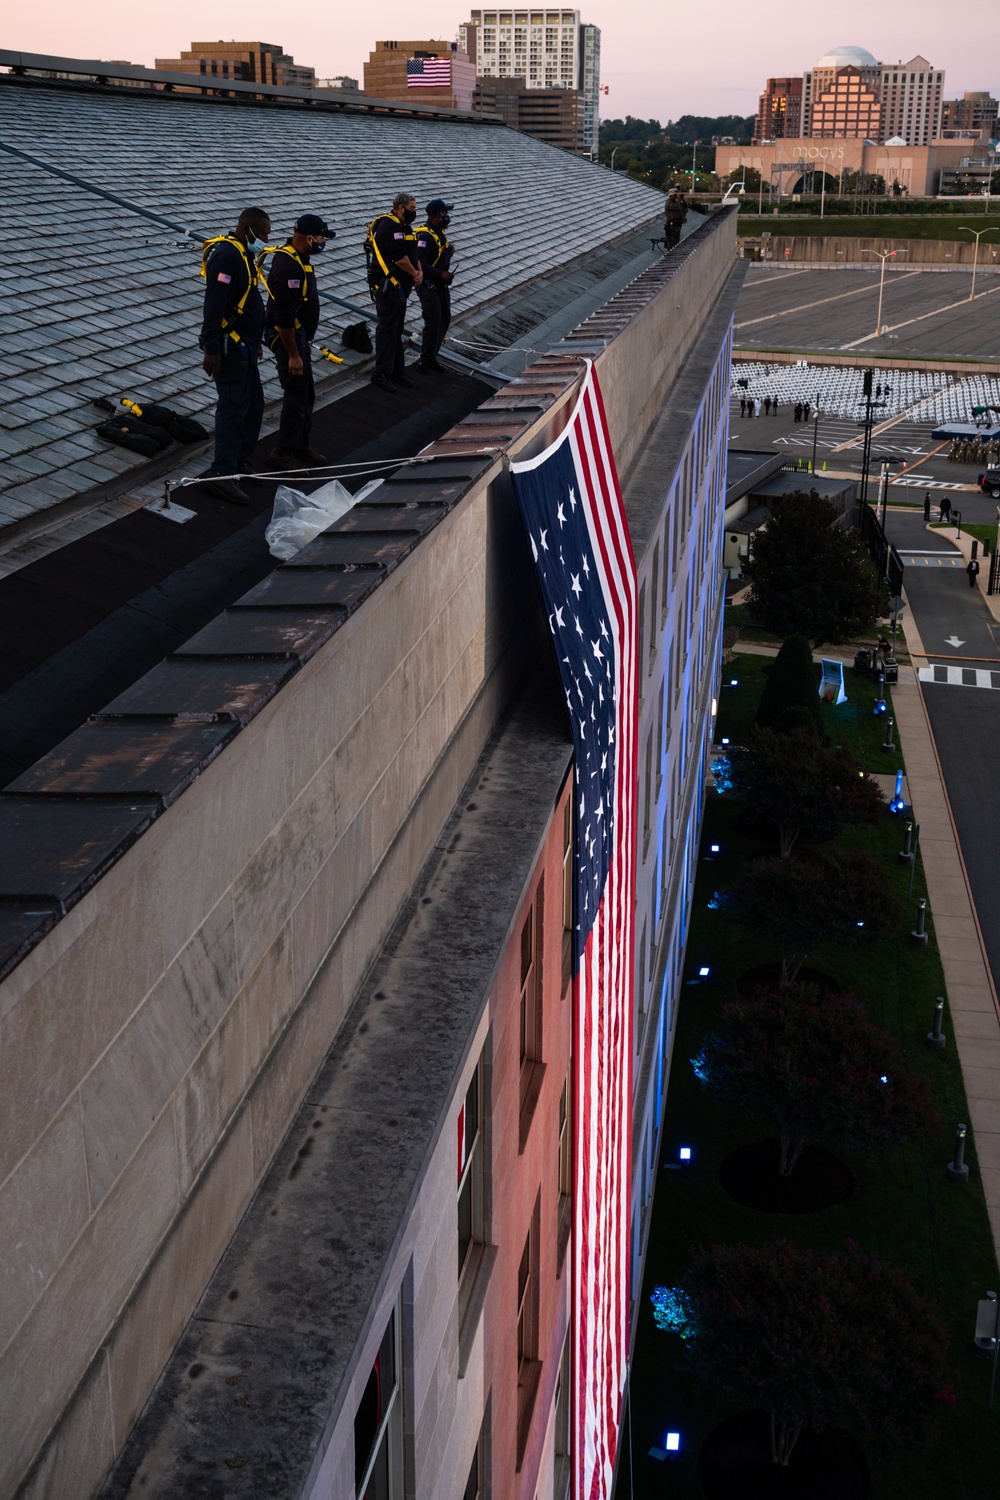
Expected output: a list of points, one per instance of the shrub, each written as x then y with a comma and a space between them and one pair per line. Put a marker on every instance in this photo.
841, 897
819, 1069
835, 1339
790, 683
793, 781
809, 575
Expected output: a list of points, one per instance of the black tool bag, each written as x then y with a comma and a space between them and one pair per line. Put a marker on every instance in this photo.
356, 336
138, 437
182, 429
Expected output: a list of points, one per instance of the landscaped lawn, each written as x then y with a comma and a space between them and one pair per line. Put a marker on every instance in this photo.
906, 1209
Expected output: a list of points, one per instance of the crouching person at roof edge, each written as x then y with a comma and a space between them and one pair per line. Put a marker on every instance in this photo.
290, 322
231, 333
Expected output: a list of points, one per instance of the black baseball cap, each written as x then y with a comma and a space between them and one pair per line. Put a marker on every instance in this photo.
439, 206
311, 224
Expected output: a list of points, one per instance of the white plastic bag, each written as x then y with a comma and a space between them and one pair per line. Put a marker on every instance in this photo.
297, 517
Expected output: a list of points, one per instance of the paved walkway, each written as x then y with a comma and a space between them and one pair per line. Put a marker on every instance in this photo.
972, 998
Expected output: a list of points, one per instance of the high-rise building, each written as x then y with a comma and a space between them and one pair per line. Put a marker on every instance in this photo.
244, 62
552, 115
974, 111
342, 84
849, 94
779, 110
911, 101
548, 49
847, 106
425, 72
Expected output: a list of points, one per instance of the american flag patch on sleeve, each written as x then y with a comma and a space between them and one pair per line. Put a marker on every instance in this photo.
223, 277
295, 283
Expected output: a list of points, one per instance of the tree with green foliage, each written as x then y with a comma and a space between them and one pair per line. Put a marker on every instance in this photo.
791, 680
793, 781
809, 575
818, 1339
817, 1067
841, 897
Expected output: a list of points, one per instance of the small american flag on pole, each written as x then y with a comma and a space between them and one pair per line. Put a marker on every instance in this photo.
428, 73
572, 509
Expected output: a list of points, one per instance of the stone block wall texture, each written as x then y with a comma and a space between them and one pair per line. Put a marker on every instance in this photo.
846, 250
155, 1045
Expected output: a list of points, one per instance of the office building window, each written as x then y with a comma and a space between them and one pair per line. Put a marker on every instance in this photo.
378, 1425
531, 986
565, 1170
528, 1364
471, 1173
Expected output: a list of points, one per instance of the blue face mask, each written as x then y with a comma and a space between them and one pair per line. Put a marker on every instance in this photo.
255, 245
316, 247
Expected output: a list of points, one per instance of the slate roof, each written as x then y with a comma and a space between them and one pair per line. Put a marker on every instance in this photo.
106, 301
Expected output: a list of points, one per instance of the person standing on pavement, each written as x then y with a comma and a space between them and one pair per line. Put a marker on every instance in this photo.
756, 407
797, 414
290, 322
973, 573
945, 508
774, 406
767, 406
231, 333
434, 253
393, 271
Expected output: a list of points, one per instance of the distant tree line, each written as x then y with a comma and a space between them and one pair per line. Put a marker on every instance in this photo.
663, 155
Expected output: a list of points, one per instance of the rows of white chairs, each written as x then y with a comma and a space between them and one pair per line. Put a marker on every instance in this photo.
957, 402
838, 390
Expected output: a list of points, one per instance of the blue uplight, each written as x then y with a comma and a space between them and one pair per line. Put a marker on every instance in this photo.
672, 1310
672, 1442
684, 1153
704, 972
700, 1067
714, 848
884, 1078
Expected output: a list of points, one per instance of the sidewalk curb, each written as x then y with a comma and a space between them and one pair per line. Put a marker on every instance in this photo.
973, 1003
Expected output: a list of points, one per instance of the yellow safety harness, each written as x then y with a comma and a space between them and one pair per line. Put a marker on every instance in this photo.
252, 270
441, 241
306, 270
372, 252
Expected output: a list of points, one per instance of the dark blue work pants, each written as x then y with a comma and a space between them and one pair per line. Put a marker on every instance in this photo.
300, 394
240, 410
435, 304
390, 310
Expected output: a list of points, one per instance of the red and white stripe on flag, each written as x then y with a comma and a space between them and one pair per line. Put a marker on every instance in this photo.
463, 1146
572, 507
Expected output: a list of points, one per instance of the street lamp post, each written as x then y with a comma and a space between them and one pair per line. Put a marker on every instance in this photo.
815, 431
975, 259
883, 256
613, 155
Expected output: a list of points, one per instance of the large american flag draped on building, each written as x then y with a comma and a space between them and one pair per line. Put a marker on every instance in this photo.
428, 73
572, 509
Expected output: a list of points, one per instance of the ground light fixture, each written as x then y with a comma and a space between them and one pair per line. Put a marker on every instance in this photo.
684, 1154
704, 971
897, 805
671, 1447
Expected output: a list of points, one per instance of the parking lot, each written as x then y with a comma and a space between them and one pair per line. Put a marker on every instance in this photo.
927, 314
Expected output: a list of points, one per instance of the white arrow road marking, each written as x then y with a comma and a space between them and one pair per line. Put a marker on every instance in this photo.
953, 640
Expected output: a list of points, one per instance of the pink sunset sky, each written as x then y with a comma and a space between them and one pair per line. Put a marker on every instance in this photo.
658, 59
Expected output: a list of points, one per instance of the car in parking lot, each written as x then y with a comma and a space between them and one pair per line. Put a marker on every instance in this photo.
989, 483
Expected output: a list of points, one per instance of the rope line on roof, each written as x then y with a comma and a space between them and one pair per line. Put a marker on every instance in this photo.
356, 470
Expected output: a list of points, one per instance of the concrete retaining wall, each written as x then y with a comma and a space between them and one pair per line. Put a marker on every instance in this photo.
814, 249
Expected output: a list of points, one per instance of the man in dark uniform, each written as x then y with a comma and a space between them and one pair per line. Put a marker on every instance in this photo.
290, 323
434, 253
395, 273
231, 333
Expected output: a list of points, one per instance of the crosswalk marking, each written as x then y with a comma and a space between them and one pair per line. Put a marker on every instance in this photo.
979, 677
933, 560
930, 484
